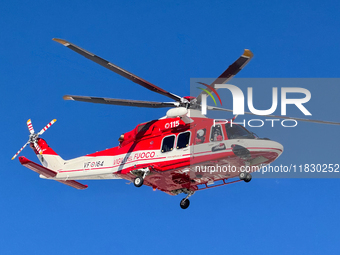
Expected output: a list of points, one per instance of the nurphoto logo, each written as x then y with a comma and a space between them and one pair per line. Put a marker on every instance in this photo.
238, 99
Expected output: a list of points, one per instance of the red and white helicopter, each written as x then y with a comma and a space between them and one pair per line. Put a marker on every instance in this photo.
165, 153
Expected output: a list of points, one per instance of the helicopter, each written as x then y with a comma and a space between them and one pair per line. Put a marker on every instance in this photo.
180, 153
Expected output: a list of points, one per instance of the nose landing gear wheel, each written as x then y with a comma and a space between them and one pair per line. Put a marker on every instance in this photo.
242, 175
184, 203
248, 178
138, 181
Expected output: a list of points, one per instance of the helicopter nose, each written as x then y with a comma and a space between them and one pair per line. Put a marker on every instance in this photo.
263, 148
272, 147
278, 147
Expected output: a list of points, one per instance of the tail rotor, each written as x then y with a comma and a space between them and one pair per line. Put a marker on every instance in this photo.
33, 137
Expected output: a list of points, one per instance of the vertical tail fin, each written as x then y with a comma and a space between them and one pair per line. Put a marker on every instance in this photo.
48, 158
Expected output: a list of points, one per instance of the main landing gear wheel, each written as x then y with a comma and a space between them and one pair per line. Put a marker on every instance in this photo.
248, 178
184, 203
138, 181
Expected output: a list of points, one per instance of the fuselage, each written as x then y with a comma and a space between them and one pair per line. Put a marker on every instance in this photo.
170, 147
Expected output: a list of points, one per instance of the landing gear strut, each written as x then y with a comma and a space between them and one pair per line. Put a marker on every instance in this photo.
246, 177
185, 202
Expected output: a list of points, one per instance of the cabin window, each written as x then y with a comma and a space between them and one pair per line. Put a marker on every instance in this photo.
238, 132
183, 140
200, 136
168, 143
140, 127
216, 133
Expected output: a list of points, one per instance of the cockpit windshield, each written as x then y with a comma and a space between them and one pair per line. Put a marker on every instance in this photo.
238, 132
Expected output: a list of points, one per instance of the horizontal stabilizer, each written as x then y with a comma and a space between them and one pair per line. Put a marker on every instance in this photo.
49, 173
37, 168
73, 184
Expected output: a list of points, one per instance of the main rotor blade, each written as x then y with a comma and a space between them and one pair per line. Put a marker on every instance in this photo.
46, 127
118, 70
231, 71
20, 151
30, 126
279, 117
124, 102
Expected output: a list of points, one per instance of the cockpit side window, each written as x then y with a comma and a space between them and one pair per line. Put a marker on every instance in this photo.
200, 136
183, 140
168, 143
238, 132
216, 133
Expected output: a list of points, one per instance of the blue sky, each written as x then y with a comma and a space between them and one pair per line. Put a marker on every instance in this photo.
166, 43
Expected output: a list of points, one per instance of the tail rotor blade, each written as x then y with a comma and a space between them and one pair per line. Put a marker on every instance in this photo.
46, 127
19, 151
30, 126
37, 147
